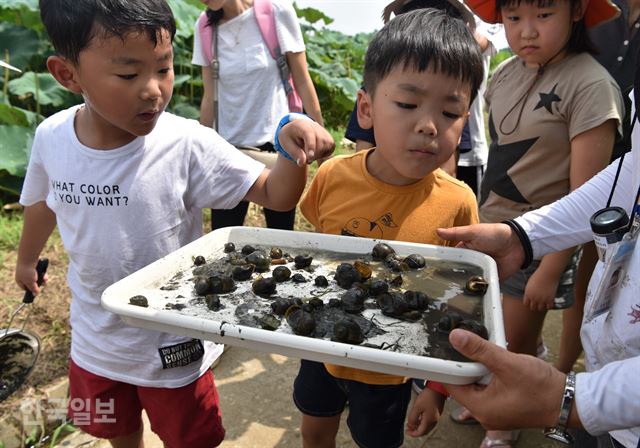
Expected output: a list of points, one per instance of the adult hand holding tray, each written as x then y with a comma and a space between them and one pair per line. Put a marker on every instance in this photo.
167, 301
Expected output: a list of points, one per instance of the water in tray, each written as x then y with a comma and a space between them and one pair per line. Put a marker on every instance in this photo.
416, 332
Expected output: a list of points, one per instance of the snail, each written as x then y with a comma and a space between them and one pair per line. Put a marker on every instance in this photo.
381, 251
243, 272
281, 274
321, 281
347, 275
260, 260
301, 322
476, 285
415, 261
347, 331
449, 322
303, 261
264, 286
392, 304
275, 253
353, 300
247, 249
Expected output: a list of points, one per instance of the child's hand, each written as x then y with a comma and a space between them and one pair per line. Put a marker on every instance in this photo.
540, 292
27, 277
425, 412
306, 141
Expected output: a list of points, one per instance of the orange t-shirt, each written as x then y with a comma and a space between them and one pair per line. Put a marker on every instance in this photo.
344, 199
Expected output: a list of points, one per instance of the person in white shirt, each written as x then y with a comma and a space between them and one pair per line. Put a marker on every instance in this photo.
528, 392
251, 96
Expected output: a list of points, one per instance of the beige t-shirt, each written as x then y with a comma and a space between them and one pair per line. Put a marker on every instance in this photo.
528, 164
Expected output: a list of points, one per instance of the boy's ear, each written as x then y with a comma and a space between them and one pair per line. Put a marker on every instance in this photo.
364, 107
579, 10
64, 72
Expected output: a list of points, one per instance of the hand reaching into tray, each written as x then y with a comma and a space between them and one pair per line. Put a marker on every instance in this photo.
304, 140
497, 240
301, 142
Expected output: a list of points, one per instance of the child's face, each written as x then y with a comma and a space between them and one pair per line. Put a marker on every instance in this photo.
126, 84
417, 118
538, 34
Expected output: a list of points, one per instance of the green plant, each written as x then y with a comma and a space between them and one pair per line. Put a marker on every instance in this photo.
10, 230
61, 431
335, 64
502, 56
33, 439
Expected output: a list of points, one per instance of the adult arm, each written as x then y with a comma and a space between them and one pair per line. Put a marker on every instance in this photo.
565, 223
39, 222
206, 105
608, 399
482, 40
557, 226
301, 79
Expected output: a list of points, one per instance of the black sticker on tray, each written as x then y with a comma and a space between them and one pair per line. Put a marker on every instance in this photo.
180, 355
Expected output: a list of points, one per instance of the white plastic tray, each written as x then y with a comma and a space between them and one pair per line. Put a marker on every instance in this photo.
148, 280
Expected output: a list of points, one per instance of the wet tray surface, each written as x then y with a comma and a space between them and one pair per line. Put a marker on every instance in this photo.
410, 346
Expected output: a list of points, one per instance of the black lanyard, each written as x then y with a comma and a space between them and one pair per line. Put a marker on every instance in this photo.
635, 119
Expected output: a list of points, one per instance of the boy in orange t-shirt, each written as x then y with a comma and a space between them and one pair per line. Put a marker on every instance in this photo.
422, 71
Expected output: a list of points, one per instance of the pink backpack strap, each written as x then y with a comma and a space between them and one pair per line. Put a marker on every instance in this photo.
206, 36
263, 10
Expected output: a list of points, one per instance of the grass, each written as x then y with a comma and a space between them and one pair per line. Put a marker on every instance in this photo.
10, 229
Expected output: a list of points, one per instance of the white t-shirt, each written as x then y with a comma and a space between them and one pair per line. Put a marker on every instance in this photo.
608, 396
479, 148
121, 209
251, 98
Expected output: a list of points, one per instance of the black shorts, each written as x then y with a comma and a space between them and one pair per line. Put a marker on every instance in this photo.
376, 413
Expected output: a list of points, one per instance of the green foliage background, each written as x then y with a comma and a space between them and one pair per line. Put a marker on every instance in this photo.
335, 64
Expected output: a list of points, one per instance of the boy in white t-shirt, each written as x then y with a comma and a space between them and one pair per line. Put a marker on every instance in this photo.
126, 182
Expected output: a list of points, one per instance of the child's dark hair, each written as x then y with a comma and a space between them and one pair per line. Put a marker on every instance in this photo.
71, 24
444, 5
424, 39
214, 16
578, 42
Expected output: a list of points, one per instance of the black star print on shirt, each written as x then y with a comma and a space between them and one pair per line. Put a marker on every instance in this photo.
501, 159
547, 99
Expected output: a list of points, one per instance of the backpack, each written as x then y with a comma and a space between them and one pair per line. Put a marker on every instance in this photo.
263, 10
